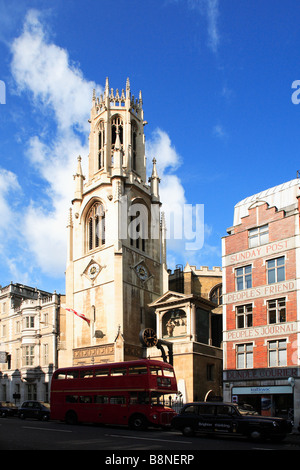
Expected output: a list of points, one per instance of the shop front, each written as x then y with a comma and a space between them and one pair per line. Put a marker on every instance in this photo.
269, 392
267, 401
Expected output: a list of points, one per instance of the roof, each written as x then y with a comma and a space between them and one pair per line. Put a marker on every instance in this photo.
280, 196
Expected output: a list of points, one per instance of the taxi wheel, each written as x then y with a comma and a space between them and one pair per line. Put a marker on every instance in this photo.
188, 431
256, 435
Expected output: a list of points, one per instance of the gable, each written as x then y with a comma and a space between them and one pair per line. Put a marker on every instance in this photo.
169, 298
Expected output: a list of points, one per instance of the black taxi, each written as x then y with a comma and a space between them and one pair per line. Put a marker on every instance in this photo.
214, 417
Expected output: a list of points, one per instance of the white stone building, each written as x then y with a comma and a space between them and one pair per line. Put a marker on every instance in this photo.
112, 275
28, 342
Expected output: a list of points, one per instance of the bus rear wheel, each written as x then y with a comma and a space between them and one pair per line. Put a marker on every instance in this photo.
138, 422
71, 417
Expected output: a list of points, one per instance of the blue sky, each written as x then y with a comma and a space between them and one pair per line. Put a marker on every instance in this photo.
216, 78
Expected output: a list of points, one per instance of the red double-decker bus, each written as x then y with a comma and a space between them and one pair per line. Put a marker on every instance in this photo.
134, 393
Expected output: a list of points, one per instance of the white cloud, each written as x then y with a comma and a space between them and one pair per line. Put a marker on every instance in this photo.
9, 185
45, 71
178, 213
210, 10
219, 131
212, 28
159, 146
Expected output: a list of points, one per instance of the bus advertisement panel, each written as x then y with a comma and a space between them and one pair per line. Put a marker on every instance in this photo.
133, 393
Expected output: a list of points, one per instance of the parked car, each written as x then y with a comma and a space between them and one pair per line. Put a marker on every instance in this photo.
210, 417
34, 409
7, 409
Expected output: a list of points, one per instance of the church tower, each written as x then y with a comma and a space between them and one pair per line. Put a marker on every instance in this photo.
116, 262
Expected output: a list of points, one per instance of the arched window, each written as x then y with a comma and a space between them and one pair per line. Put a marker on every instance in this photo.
101, 142
96, 226
216, 295
116, 129
116, 126
134, 131
138, 225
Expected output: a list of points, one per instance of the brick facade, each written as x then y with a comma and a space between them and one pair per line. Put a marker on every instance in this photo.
260, 307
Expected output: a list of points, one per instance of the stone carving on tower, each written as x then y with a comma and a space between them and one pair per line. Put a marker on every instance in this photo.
116, 262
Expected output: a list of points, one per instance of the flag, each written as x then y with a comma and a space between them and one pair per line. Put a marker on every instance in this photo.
81, 315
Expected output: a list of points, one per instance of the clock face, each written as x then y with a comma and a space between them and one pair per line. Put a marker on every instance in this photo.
149, 337
93, 270
142, 272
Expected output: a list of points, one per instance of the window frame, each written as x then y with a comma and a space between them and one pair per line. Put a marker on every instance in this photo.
277, 351
256, 235
243, 277
245, 354
101, 144
245, 315
276, 310
95, 226
276, 269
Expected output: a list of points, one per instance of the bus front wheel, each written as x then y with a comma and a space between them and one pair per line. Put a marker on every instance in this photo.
138, 422
71, 417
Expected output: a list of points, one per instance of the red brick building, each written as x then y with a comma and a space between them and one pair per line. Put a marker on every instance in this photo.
261, 295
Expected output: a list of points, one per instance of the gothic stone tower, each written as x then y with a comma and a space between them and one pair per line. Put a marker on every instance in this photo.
116, 245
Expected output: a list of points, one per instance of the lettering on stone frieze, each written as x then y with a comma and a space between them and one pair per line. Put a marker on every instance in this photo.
259, 251
267, 330
92, 352
262, 291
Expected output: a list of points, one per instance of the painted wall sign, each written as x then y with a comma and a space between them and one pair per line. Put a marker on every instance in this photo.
267, 330
261, 291
259, 251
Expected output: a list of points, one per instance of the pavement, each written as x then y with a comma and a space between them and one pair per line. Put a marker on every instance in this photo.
293, 438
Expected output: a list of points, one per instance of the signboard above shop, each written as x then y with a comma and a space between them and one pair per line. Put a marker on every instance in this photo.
260, 374
262, 390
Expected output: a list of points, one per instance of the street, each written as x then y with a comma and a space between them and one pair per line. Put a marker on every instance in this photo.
116, 443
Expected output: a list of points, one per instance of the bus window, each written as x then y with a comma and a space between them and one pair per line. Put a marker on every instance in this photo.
86, 374
101, 373
60, 375
137, 370
163, 382
71, 398
72, 374
155, 371
85, 399
157, 399
118, 400
100, 399
168, 372
119, 371
140, 398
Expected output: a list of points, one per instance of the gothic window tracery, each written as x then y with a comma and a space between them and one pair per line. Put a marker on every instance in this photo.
116, 130
116, 127
134, 131
101, 142
138, 226
96, 226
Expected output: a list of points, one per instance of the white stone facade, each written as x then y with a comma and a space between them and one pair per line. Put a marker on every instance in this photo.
112, 277
28, 342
